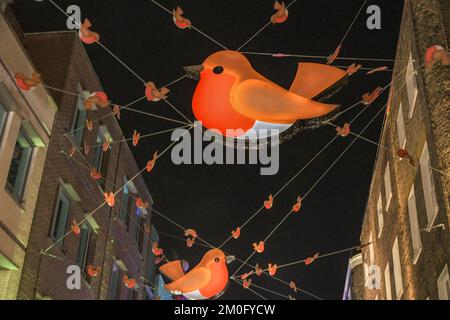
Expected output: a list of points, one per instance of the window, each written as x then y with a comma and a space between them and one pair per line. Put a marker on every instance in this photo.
3, 117
98, 152
114, 282
127, 205
444, 285
387, 282
101, 159
78, 125
380, 215
124, 204
387, 186
20, 163
61, 215
151, 268
135, 225
401, 128
411, 85
84, 245
429, 190
397, 269
414, 223
140, 232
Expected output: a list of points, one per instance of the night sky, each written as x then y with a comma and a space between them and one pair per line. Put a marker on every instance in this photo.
216, 199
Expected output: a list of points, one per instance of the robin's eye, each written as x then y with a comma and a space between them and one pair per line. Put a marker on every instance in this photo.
216, 259
218, 70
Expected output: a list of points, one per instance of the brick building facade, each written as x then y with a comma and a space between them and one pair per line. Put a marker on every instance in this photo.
408, 211
114, 240
26, 120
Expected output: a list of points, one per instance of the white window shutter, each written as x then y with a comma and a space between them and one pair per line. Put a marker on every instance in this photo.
387, 282
380, 215
401, 131
387, 186
414, 224
397, 269
428, 185
411, 85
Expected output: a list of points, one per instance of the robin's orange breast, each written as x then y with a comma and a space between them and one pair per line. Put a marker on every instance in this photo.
218, 282
211, 104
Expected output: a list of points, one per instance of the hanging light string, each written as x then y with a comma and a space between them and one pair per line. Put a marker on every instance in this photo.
310, 162
100, 44
365, 68
192, 26
208, 245
118, 59
261, 29
169, 11
250, 289
326, 171
312, 188
302, 261
127, 106
177, 110
124, 107
180, 227
83, 98
265, 272
385, 147
73, 262
291, 55
142, 137
120, 189
267, 290
89, 167
351, 25
158, 116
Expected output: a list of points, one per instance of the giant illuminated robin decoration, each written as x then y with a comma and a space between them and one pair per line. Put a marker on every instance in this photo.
207, 280
232, 95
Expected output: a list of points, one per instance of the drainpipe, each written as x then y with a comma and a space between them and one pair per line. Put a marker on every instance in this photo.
110, 223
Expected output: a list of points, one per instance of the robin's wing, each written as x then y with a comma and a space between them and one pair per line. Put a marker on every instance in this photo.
172, 270
314, 78
265, 101
194, 280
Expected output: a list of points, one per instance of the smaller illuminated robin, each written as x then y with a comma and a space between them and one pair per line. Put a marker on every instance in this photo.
206, 280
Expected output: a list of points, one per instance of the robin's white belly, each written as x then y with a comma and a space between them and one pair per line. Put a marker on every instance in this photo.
194, 295
264, 129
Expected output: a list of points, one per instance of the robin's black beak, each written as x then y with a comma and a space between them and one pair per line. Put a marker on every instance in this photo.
193, 72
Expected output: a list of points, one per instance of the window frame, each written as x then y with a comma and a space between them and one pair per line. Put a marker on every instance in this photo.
101, 158
114, 284
141, 234
12, 189
4, 114
85, 229
443, 284
78, 126
55, 219
137, 225
411, 84
124, 203
387, 282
